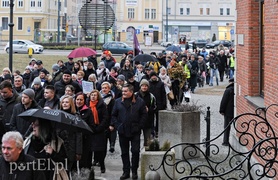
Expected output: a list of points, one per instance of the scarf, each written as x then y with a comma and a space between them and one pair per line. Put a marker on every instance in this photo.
162, 77
93, 105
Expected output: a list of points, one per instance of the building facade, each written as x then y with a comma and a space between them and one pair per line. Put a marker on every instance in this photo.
198, 19
256, 61
34, 20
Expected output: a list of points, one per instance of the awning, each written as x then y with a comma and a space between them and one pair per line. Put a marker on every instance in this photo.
52, 30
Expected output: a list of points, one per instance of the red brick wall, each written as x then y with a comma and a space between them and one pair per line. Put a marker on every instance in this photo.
248, 70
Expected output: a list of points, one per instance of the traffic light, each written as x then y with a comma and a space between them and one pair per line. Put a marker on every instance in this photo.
67, 28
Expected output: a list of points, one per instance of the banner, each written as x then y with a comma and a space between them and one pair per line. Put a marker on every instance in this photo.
136, 45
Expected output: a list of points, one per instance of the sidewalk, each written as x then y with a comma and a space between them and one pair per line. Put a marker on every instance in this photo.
206, 96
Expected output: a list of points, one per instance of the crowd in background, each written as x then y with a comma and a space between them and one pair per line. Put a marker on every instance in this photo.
125, 83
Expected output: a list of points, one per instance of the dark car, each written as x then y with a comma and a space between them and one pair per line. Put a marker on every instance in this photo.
200, 43
214, 44
116, 47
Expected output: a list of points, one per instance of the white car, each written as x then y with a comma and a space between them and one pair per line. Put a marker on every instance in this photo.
22, 46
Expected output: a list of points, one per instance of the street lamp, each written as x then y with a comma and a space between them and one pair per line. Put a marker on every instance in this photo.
11, 25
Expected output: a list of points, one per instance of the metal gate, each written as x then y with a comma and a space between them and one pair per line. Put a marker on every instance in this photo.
254, 156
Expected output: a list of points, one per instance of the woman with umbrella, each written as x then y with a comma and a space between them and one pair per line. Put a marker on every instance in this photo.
44, 144
99, 140
86, 114
73, 140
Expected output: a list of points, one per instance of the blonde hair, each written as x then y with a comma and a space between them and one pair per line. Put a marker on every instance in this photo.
71, 101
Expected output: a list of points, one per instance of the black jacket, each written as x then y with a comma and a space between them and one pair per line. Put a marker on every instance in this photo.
56, 104
227, 102
223, 62
61, 85
6, 110
99, 136
150, 102
39, 93
19, 124
32, 173
129, 120
158, 90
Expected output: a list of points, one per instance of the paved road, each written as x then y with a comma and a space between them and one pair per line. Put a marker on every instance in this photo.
206, 96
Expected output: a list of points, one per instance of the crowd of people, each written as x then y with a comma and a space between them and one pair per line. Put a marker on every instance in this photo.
124, 100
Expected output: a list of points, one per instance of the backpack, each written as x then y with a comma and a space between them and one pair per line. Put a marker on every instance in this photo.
156, 66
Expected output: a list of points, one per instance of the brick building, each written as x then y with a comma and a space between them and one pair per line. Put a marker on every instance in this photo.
257, 62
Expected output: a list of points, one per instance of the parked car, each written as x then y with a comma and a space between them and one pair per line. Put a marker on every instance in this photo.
200, 43
214, 44
22, 46
117, 47
71, 38
166, 44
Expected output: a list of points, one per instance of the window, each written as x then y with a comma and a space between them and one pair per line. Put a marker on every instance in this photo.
181, 11
19, 23
187, 11
168, 10
147, 14
208, 11
153, 14
221, 11
228, 11
262, 44
33, 3
201, 11
5, 3
20, 3
130, 13
5, 23
39, 3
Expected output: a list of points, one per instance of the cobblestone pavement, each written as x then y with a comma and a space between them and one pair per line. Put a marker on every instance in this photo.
206, 96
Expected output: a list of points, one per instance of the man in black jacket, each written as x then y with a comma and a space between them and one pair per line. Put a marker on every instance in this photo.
8, 100
227, 110
27, 102
14, 164
128, 117
66, 80
158, 90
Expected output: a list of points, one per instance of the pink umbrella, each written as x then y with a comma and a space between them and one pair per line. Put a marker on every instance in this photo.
82, 52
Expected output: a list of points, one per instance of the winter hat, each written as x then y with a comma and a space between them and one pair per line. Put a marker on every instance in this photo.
30, 93
117, 65
231, 80
144, 82
67, 72
55, 67
39, 62
7, 76
44, 71
29, 68
153, 74
37, 81
101, 64
121, 77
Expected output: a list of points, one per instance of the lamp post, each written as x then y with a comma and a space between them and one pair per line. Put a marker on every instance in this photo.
58, 22
166, 26
11, 25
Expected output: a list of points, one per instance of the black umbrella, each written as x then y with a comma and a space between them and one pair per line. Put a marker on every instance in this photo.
63, 120
144, 58
174, 48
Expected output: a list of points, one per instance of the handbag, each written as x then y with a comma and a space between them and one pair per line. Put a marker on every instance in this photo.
171, 95
60, 173
193, 71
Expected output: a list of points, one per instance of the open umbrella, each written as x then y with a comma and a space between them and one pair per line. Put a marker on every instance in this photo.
174, 48
62, 120
144, 58
82, 52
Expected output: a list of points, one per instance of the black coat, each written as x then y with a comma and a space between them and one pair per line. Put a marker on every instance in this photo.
223, 62
99, 140
109, 64
31, 174
193, 77
39, 93
150, 102
60, 87
158, 90
88, 72
129, 120
56, 104
6, 110
19, 124
227, 102
69, 65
